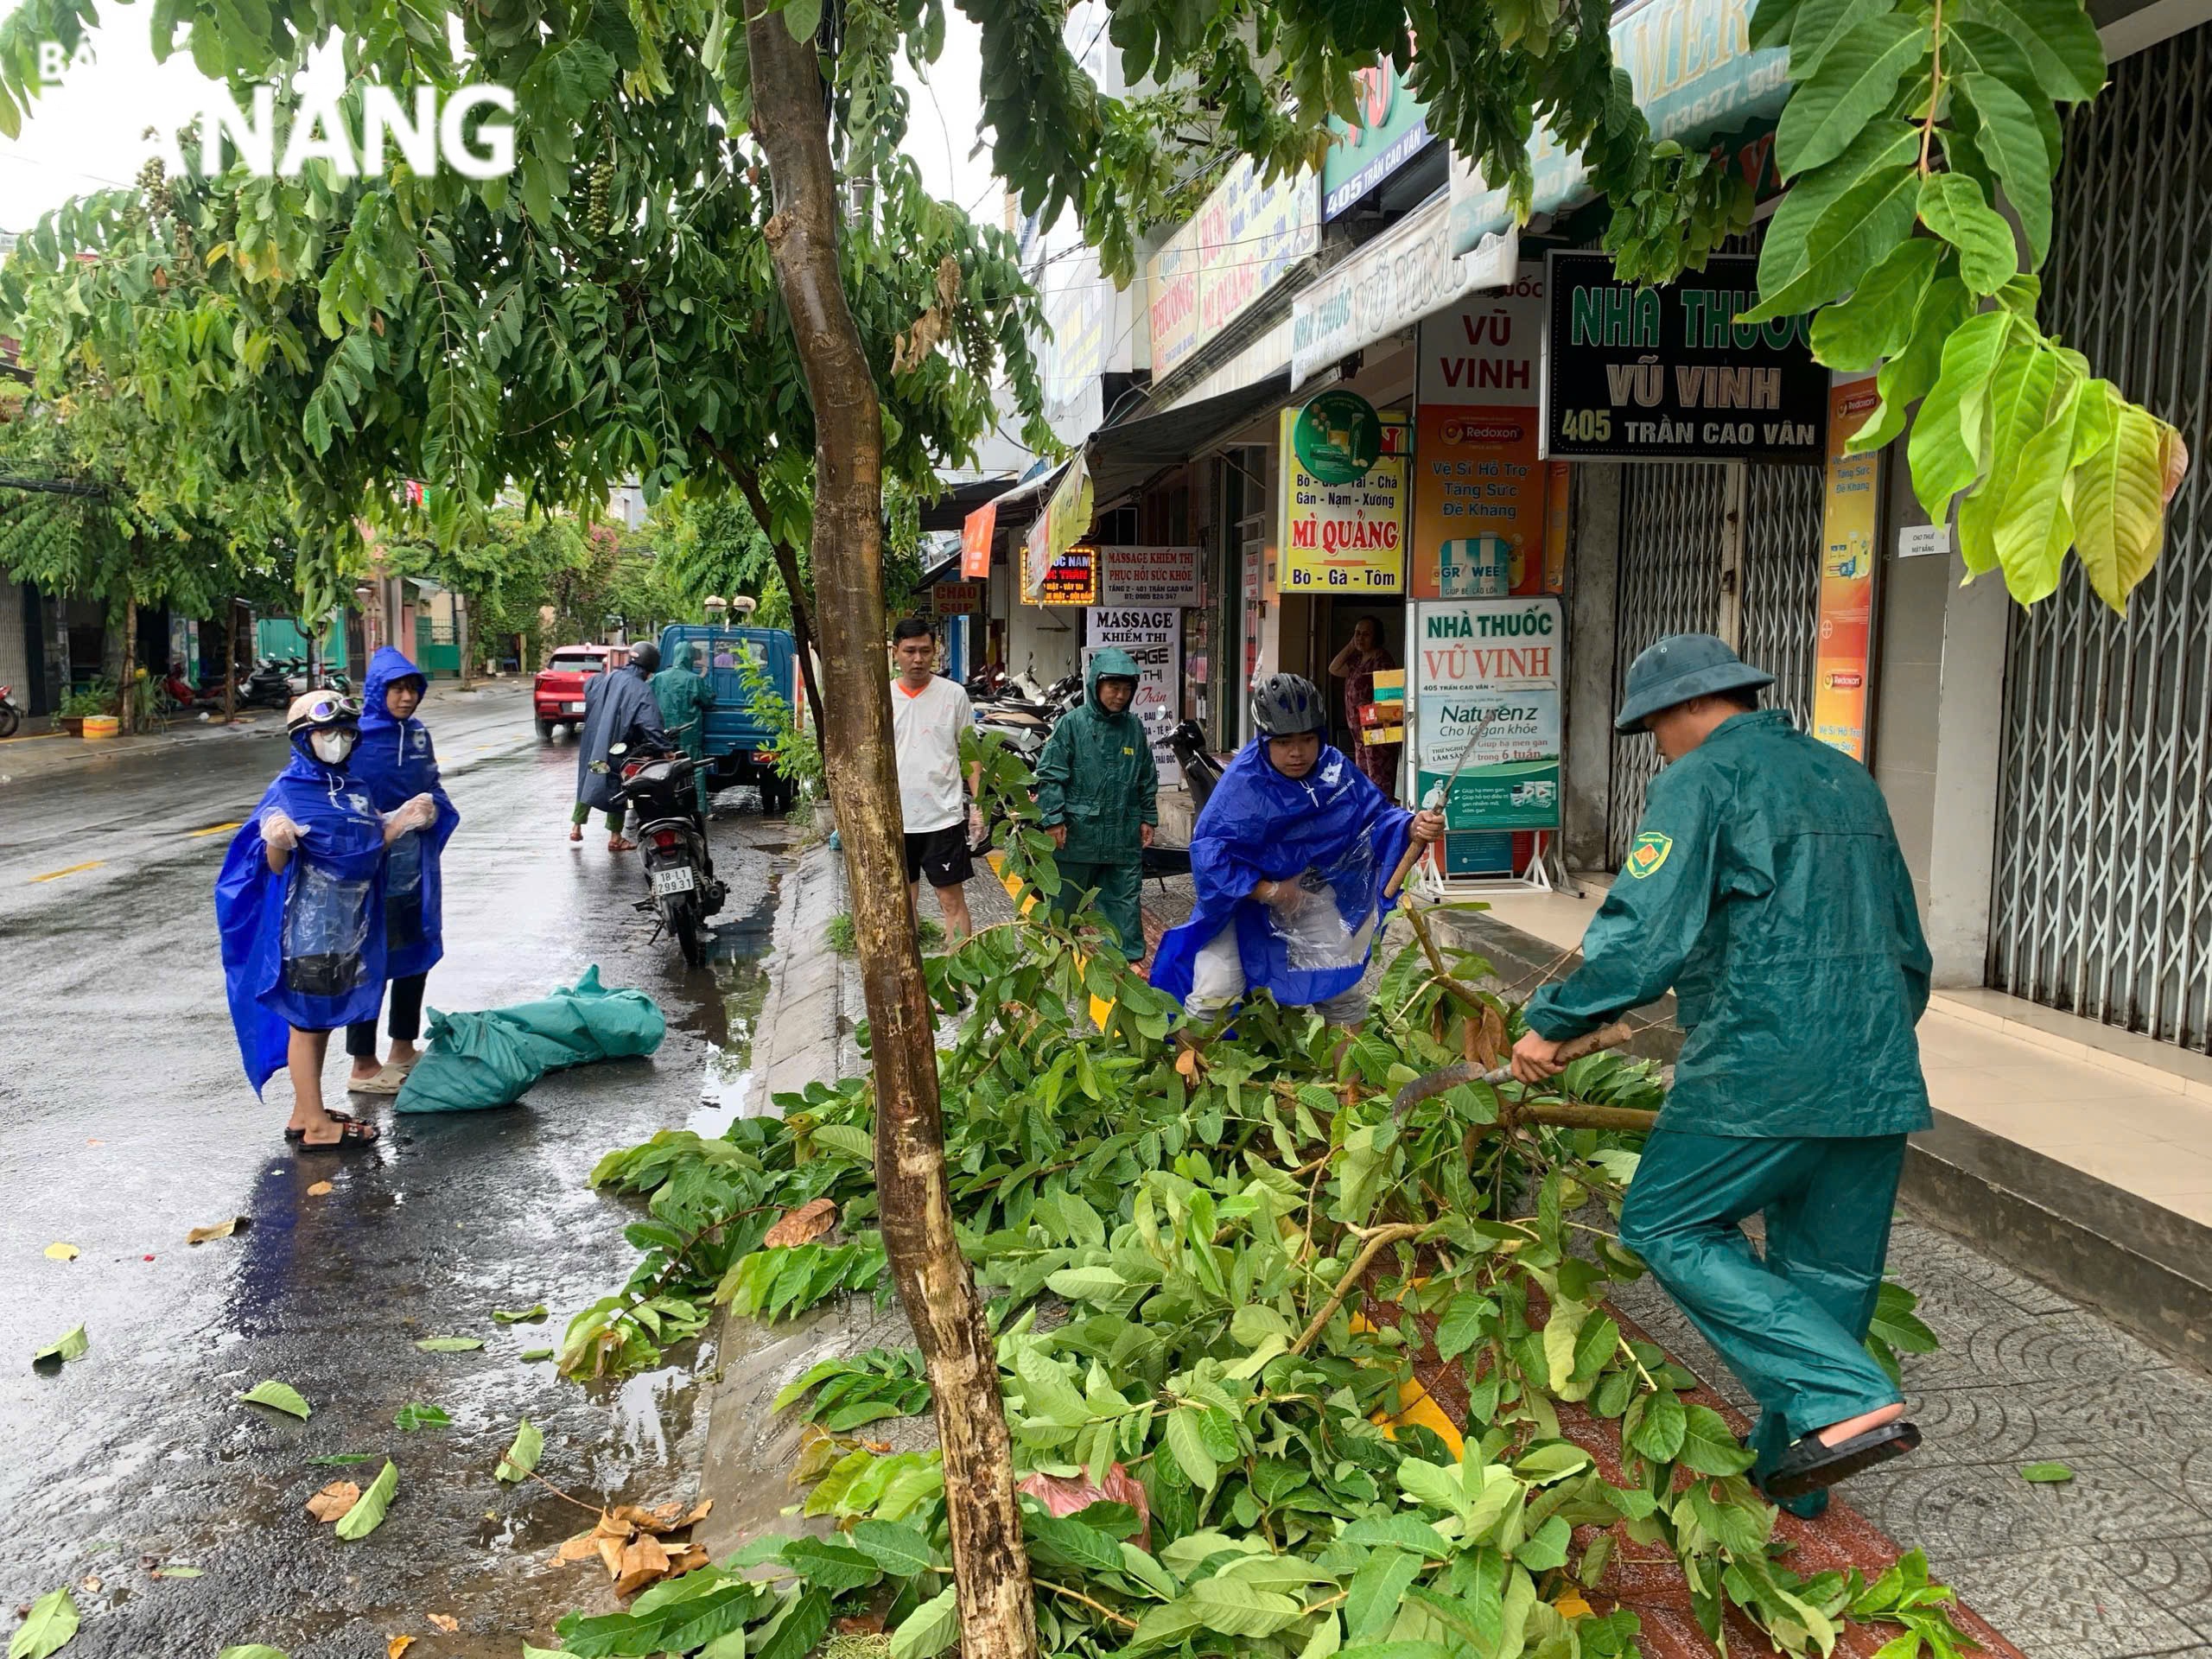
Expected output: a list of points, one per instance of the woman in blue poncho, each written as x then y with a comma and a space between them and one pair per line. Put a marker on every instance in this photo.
1289, 859
300, 903
395, 763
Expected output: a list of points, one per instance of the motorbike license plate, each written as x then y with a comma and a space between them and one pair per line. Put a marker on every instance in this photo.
682, 878
572, 708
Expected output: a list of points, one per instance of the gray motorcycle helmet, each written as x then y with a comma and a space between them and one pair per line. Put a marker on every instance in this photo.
1285, 705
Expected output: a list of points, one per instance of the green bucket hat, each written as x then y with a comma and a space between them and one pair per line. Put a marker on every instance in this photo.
1678, 667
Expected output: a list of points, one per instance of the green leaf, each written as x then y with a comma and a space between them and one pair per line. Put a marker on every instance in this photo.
1879, 316
517, 1316
2009, 138
535, 1353
1236, 1608
1464, 1325
1562, 1331
367, 1513
1772, 22
2018, 403
1856, 233
282, 1396
1399, 1532
1857, 77
1189, 1448
1047, 1394
1952, 206
177, 1570
901, 1550
930, 1629
1708, 1445
2118, 501
522, 1457
1783, 257
1946, 447
804, 17
2034, 528
252, 1650
415, 1415
1660, 1426
1371, 1602
70, 1345
450, 1345
49, 1628
1819, 24
846, 1140
2057, 36
1905, 378
2046, 1473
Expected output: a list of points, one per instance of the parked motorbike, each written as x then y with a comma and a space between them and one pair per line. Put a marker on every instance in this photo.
1201, 770
1025, 721
11, 712
269, 686
660, 798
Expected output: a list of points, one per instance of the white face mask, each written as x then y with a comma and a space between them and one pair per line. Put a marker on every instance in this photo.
332, 747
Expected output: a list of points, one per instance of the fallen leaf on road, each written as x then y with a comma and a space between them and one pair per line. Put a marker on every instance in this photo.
90, 1584
801, 1226
253, 1650
644, 1561
332, 1503
59, 1252
450, 1345
321, 1189
1571, 1606
863, 1625
235, 1224
415, 1415
582, 1547
179, 1570
516, 1316
281, 1395
397, 1645
70, 1345
445, 1622
48, 1627
365, 1517
522, 1457
537, 1353
2046, 1474
341, 1459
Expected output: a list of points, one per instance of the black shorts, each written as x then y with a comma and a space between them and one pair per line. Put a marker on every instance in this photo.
940, 853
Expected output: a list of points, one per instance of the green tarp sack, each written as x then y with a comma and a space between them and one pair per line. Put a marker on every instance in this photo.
476, 1060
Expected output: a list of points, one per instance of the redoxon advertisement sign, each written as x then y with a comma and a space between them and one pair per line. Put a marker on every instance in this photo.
1392, 283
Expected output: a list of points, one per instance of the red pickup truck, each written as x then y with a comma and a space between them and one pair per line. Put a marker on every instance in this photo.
557, 694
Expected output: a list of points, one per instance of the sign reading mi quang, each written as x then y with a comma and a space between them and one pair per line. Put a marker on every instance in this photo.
1668, 374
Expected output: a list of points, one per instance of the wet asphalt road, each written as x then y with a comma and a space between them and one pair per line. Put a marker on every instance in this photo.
125, 1120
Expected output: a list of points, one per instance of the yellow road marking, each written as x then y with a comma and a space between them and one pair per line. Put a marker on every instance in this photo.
212, 829
1101, 1009
55, 875
32, 737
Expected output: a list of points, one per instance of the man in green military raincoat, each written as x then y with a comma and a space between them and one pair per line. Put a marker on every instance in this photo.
1098, 792
685, 697
1765, 887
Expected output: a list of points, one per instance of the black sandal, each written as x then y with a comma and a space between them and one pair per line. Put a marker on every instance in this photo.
351, 1132
1809, 1467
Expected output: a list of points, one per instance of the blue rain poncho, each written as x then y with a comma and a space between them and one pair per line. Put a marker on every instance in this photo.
1333, 832
303, 946
394, 762
619, 708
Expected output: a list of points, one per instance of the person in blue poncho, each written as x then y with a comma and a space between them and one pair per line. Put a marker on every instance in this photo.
394, 762
1289, 858
300, 905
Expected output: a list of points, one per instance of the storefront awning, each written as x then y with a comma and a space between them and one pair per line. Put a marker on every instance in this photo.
950, 510
1123, 457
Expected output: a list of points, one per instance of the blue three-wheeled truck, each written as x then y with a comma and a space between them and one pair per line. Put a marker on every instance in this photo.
737, 741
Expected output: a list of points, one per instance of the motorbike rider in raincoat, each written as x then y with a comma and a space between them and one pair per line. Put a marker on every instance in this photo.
1098, 792
300, 905
684, 697
1289, 858
394, 762
619, 708
1765, 887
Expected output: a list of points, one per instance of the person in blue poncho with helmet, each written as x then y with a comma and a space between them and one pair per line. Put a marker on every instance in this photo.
1289, 859
394, 762
300, 905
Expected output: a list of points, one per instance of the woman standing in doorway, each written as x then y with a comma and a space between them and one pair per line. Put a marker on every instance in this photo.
1356, 666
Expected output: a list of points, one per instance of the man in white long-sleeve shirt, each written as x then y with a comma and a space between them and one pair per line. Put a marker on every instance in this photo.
928, 715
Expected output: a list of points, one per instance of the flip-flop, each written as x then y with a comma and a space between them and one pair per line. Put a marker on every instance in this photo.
617, 844
576, 832
353, 1133
1808, 1466
386, 1082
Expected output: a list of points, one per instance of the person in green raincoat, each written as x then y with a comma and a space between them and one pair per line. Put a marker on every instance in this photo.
685, 697
1098, 792
1765, 887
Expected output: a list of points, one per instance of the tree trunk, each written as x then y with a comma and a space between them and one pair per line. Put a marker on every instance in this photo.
231, 662
997, 1617
125, 702
460, 632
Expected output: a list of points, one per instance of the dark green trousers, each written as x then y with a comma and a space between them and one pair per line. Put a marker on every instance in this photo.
1119, 888
1792, 1325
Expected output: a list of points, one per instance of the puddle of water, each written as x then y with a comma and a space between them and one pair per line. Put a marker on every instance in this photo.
726, 1087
